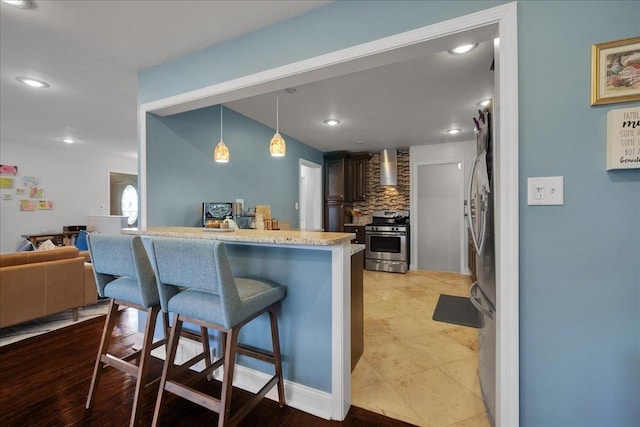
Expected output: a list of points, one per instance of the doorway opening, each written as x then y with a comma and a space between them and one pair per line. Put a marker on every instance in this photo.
123, 196
310, 205
504, 19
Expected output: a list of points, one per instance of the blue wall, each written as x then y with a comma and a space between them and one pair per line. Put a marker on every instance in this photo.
580, 263
304, 315
180, 164
580, 269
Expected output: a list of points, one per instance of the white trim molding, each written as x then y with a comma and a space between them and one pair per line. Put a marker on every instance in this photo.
506, 113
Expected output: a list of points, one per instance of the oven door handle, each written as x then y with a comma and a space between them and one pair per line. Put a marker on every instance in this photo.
385, 233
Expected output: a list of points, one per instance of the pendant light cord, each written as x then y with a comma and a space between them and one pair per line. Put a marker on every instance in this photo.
277, 114
221, 121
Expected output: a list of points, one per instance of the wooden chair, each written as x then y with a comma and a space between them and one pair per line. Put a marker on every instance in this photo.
196, 283
124, 274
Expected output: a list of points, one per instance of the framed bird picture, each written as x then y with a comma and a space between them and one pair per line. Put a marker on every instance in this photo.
615, 71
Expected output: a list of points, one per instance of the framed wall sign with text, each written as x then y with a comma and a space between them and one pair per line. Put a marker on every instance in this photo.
623, 138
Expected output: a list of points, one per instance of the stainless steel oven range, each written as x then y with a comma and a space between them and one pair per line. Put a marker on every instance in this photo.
387, 241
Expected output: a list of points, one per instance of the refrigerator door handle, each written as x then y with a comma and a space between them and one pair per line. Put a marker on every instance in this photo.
478, 243
473, 296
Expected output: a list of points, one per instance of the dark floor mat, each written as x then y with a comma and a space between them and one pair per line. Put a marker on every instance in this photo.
457, 310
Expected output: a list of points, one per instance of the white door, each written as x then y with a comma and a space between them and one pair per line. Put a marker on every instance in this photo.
440, 221
310, 195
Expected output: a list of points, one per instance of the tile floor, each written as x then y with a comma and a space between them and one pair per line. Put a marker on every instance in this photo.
413, 368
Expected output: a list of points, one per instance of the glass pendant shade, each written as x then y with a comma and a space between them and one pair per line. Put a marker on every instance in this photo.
221, 153
277, 147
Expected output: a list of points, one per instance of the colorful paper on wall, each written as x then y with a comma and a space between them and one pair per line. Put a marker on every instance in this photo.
20, 191
27, 205
30, 181
8, 170
6, 182
7, 196
36, 192
45, 205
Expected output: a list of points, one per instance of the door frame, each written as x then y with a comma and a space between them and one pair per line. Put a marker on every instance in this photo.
309, 164
415, 212
505, 17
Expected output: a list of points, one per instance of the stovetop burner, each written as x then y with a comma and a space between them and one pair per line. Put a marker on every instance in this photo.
389, 220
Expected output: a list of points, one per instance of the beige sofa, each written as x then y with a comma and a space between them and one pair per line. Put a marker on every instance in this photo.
41, 283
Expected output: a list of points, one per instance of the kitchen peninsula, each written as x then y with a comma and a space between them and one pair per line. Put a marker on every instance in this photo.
314, 318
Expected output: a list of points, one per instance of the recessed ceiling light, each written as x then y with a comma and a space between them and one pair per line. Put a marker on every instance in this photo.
463, 49
21, 4
454, 131
32, 82
358, 142
484, 102
291, 90
332, 122
69, 140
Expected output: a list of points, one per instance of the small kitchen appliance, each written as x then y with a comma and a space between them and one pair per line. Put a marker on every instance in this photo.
387, 241
217, 211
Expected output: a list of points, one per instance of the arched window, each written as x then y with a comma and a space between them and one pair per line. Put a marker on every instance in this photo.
129, 204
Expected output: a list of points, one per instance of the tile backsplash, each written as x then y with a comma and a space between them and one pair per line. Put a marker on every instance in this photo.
381, 197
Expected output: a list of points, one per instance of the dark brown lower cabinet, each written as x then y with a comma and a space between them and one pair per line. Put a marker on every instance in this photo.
357, 308
333, 216
358, 230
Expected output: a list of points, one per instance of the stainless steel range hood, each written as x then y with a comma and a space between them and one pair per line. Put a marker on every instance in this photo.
388, 168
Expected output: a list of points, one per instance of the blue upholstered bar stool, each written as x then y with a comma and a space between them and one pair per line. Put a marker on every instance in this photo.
124, 274
195, 282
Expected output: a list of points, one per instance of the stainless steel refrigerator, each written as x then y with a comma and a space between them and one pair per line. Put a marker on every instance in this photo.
480, 217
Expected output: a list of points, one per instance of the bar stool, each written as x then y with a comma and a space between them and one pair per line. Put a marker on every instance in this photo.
123, 273
196, 283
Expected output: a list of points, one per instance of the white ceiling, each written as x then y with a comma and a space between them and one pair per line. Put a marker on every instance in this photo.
90, 52
402, 104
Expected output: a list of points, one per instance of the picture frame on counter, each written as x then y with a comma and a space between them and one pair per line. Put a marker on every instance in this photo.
615, 71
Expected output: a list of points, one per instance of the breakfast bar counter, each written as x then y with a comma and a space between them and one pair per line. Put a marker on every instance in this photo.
276, 237
314, 318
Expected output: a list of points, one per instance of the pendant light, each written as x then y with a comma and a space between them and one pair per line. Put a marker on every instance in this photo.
221, 153
277, 148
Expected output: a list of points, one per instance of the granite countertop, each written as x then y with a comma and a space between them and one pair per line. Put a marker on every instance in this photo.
357, 247
278, 237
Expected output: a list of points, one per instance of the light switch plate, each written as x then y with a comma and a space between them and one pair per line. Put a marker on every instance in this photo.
548, 190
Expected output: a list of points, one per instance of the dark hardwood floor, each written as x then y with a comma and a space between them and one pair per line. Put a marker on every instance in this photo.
44, 382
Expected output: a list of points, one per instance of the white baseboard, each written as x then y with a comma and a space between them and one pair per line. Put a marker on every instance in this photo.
306, 399
298, 396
